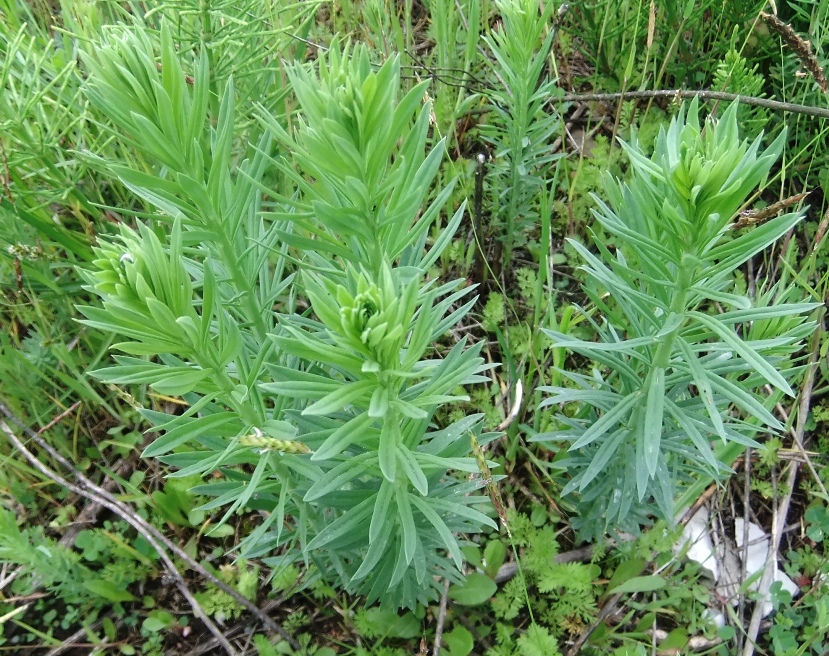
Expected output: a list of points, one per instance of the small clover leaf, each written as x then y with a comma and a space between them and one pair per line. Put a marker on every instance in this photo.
818, 519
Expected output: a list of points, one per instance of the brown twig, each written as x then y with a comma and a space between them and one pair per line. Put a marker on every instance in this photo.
198, 611
781, 510
820, 232
90, 513
606, 610
514, 409
703, 94
72, 641
6, 174
63, 415
441, 618
741, 602
703, 498
96, 493
755, 217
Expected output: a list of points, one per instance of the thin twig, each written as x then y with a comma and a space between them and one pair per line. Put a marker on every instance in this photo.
5, 579
781, 510
799, 448
441, 618
198, 611
741, 603
128, 514
89, 514
63, 415
6, 175
515, 409
606, 610
583, 554
820, 232
72, 641
704, 94
802, 48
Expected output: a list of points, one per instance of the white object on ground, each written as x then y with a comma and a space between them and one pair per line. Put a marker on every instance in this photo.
697, 538
756, 554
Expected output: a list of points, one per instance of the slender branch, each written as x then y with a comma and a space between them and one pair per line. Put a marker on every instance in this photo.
6, 177
704, 94
71, 641
125, 511
441, 618
782, 509
607, 609
63, 415
198, 611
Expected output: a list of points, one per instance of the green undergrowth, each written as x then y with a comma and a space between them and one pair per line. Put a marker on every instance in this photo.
348, 303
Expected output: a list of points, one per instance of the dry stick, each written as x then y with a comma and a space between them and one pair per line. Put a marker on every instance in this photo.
198, 611
71, 641
801, 47
6, 175
782, 510
63, 415
514, 410
89, 514
820, 232
803, 453
441, 618
126, 512
775, 105
240, 626
741, 602
606, 610
509, 570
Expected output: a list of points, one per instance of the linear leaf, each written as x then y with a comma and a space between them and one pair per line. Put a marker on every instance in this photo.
653, 418
607, 421
751, 356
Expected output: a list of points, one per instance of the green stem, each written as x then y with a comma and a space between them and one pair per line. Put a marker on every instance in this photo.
517, 154
684, 281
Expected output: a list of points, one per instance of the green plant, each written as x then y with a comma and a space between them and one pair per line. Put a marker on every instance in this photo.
220, 604
668, 372
57, 568
735, 75
799, 628
82, 584
332, 412
523, 121
638, 44
562, 595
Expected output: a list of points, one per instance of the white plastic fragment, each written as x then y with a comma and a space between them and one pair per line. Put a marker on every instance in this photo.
724, 564
755, 556
697, 537
714, 616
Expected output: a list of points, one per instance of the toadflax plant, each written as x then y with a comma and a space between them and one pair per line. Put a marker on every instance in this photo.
682, 356
322, 415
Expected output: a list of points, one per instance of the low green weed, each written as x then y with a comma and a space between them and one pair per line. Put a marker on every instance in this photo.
82, 583
799, 628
